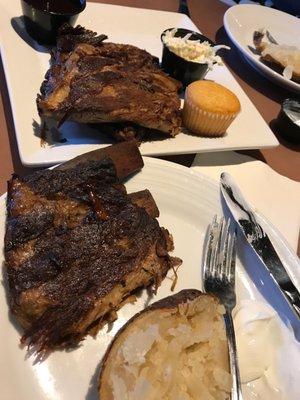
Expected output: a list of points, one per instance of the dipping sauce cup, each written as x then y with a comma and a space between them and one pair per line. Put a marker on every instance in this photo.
43, 18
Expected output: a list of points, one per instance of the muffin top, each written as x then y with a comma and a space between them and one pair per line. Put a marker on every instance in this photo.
212, 97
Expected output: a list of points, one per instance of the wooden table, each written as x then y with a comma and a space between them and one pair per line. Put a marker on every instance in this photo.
208, 16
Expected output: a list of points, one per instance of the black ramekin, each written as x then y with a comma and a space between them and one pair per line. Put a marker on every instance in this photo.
183, 70
42, 25
287, 128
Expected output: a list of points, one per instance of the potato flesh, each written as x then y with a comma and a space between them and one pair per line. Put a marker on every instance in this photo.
179, 354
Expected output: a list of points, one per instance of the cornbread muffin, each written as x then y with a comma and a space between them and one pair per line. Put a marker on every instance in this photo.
209, 108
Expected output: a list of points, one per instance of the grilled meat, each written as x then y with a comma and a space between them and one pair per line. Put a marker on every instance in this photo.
126, 131
77, 245
92, 81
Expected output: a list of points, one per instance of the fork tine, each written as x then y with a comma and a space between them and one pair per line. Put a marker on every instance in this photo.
220, 243
214, 226
227, 253
229, 264
220, 252
209, 249
216, 248
225, 248
232, 259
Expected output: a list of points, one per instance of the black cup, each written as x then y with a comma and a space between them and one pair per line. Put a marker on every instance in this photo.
43, 25
183, 70
286, 126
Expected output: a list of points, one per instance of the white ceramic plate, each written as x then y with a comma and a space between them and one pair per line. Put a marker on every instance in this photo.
187, 205
25, 68
242, 20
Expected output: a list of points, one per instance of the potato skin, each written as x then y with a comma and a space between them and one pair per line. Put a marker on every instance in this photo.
167, 303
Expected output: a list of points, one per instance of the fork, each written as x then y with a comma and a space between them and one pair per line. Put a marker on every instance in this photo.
219, 280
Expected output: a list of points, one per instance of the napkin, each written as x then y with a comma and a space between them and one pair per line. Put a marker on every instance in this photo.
273, 195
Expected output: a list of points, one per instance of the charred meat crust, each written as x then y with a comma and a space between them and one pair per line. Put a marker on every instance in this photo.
92, 81
76, 246
70, 36
27, 227
126, 131
49, 182
174, 300
125, 156
145, 200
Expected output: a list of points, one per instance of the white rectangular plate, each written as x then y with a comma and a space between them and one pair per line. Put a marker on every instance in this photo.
25, 67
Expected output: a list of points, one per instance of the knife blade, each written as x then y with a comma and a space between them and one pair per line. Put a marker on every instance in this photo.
244, 216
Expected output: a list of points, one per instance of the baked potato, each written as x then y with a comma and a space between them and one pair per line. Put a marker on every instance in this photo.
174, 349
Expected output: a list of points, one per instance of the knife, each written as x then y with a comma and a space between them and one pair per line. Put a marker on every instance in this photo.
244, 216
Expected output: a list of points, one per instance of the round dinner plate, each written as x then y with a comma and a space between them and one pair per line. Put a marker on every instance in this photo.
242, 20
187, 202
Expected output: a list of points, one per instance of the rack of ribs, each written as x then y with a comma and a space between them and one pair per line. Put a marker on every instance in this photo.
77, 245
93, 81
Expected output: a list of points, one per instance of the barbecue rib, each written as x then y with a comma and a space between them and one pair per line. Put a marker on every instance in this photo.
77, 245
92, 81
